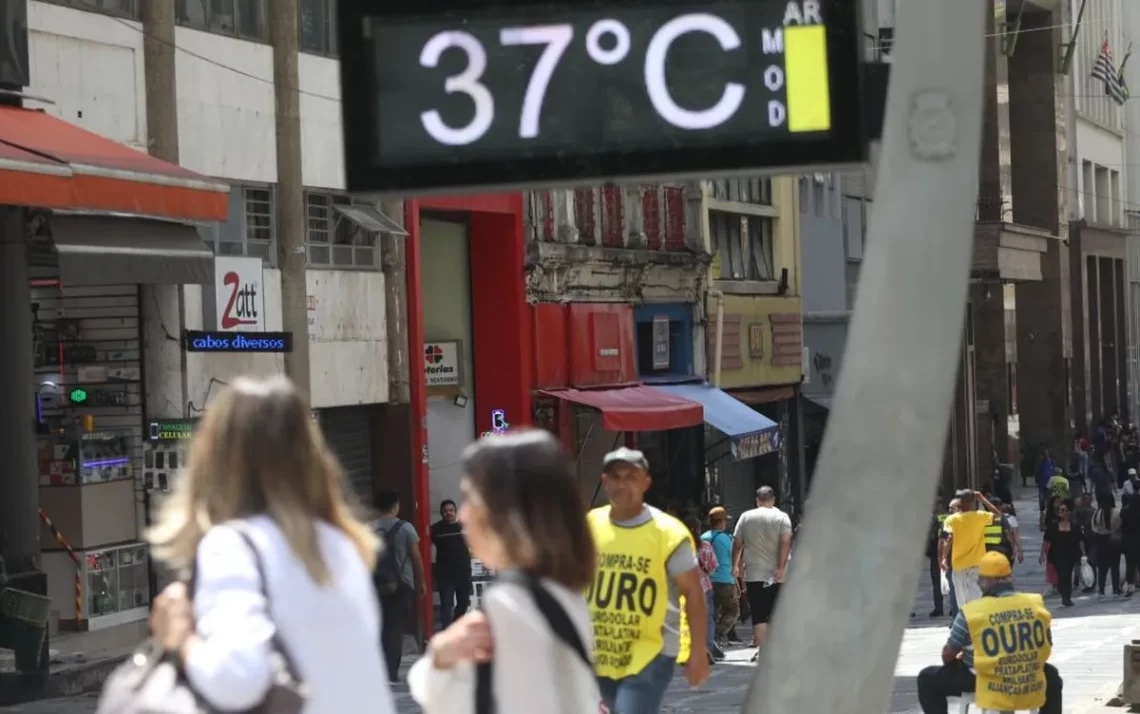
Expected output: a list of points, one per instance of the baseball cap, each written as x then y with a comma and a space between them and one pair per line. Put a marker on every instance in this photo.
633, 457
995, 565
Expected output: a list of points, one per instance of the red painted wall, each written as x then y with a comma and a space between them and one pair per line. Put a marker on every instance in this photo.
584, 345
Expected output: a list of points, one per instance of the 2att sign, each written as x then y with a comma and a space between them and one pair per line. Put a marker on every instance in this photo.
239, 294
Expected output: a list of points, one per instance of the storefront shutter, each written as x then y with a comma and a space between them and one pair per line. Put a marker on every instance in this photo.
738, 486
348, 431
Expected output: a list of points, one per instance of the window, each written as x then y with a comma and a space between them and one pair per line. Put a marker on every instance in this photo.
805, 193
121, 8
818, 196
1103, 196
317, 26
1115, 204
250, 227
744, 244
854, 226
238, 18
744, 190
334, 240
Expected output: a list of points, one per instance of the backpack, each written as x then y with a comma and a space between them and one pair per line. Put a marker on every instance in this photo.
387, 575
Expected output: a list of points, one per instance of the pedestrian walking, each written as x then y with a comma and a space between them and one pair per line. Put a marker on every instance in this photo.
763, 542
527, 649
452, 564
932, 542
1106, 528
399, 577
280, 563
707, 561
968, 541
946, 555
1130, 540
726, 591
999, 647
646, 565
1063, 547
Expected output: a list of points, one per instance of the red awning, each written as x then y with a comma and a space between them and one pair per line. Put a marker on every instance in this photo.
46, 162
637, 408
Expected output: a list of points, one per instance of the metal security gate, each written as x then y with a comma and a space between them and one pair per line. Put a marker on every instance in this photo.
348, 431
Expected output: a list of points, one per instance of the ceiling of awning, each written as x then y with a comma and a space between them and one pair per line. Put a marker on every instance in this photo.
45, 162
95, 250
636, 408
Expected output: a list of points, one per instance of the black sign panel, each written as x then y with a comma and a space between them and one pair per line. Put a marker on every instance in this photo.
218, 341
456, 94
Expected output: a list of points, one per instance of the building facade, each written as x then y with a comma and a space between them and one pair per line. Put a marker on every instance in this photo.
89, 61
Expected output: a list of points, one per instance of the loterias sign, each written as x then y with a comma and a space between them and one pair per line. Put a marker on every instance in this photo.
446, 95
218, 341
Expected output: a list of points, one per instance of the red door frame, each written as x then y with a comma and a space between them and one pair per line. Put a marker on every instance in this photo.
488, 229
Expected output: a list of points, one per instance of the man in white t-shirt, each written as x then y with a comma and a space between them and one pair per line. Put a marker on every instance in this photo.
762, 543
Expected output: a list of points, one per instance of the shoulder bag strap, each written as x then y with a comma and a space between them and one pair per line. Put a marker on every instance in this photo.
242, 529
555, 616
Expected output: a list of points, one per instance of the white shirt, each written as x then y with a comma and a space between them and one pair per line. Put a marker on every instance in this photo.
533, 671
331, 632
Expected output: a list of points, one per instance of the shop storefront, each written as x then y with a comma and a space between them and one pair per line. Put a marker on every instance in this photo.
88, 222
469, 337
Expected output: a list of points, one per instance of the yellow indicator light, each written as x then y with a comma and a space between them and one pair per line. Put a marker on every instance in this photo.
805, 69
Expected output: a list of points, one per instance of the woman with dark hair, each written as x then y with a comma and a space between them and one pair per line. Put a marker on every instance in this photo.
523, 516
707, 560
1063, 546
1106, 527
1130, 539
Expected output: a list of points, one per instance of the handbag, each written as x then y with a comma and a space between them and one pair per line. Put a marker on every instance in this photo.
560, 624
1088, 577
152, 682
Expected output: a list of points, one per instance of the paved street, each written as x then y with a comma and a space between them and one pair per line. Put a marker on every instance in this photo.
1087, 651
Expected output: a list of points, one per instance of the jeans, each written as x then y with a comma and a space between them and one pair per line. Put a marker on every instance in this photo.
454, 599
1065, 569
936, 684
1108, 564
710, 606
952, 610
641, 693
394, 612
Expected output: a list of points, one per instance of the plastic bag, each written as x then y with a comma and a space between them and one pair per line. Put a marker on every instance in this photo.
945, 585
1088, 577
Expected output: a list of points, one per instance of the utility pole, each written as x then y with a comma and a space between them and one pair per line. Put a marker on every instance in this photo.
395, 262
161, 303
841, 615
292, 257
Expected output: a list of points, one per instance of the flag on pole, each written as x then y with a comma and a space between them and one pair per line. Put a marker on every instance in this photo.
1105, 70
1124, 91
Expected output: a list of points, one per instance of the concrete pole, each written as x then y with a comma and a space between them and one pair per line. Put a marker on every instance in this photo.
394, 262
19, 483
163, 306
841, 616
291, 253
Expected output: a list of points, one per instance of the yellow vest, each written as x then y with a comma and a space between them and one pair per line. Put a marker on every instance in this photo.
993, 535
1012, 643
630, 595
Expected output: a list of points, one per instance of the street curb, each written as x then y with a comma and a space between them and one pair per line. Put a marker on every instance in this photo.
75, 680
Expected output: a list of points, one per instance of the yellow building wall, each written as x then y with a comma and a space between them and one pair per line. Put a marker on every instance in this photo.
762, 333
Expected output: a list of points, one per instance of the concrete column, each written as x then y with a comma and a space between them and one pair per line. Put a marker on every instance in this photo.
1080, 329
19, 485
1108, 337
1121, 336
633, 209
394, 261
292, 257
992, 374
1092, 290
1037, 172
162, 307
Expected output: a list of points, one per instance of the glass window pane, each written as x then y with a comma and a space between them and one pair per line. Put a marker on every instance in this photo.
222, 16
318, 214
365, 257
258, 214
260, 249
342, 255
192, 13
318, 255
313, 26
251, 20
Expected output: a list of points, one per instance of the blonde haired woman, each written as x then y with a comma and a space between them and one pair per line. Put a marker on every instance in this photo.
259, 466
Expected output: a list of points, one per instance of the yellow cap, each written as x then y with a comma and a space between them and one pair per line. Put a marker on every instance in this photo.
995, 565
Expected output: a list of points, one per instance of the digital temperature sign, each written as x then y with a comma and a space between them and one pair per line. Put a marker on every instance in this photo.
440, 95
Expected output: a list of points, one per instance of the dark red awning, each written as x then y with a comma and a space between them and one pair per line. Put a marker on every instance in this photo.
636, 408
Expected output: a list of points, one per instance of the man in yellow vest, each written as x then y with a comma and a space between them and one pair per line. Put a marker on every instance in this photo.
647, 571
998, 648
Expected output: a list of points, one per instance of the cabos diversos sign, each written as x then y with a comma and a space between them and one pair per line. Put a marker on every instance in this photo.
216, 341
